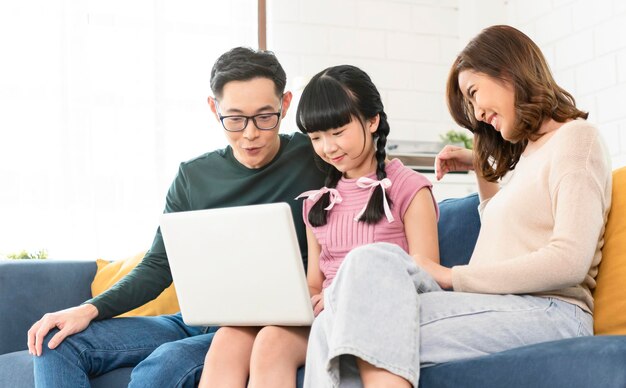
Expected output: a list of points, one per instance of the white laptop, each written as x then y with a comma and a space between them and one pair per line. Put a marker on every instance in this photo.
237, 266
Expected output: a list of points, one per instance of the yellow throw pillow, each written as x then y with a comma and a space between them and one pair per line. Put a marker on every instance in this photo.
110, 272
610, 293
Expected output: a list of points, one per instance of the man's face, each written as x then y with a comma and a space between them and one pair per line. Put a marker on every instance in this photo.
253, 147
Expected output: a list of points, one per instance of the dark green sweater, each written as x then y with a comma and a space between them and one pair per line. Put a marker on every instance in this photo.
214, 180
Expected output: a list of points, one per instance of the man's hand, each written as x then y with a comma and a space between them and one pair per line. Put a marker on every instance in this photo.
318, 303
69, 321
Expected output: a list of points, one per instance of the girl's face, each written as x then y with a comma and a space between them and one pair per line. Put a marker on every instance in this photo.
493, 100
350, 149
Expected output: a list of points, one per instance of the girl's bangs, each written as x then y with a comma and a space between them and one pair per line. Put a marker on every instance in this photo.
325, 105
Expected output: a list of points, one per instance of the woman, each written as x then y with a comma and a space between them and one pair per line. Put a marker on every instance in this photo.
532, 271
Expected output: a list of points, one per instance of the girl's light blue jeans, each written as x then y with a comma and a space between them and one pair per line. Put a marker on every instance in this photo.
164, 351
385, 310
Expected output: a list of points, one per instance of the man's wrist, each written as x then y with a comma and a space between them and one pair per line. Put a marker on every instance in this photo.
90, 310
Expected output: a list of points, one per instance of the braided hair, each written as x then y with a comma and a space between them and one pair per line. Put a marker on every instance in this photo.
333, 98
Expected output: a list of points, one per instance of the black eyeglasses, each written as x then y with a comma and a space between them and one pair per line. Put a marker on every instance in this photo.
263, 121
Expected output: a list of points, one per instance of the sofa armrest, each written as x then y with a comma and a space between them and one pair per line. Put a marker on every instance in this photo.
31, 288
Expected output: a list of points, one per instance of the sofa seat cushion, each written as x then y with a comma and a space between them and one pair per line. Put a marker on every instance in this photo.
119, 377
16, 371
576, 362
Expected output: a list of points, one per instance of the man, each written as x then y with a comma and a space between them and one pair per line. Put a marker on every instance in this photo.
258, 166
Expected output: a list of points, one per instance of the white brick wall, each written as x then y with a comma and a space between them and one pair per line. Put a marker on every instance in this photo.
610, 35
587, 80
411, 47
431, 21
356, 42
573, 49
386, 15
611, 104
621, 66
553, 25
522, 12
589, 15
585, 43
317, 12
406, 46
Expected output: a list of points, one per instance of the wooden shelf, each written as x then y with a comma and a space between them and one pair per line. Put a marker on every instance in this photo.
419, 162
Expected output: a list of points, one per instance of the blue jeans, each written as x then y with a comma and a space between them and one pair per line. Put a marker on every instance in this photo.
387, 311
165, 351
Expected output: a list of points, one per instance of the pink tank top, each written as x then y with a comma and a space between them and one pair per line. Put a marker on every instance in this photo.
342, 233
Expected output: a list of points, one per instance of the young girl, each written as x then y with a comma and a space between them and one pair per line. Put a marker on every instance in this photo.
530, 276
366, 199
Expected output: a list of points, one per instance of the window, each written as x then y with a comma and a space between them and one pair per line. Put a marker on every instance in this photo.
99, 102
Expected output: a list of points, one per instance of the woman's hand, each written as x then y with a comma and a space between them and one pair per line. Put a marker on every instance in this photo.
453, 158
317, 301
441, 274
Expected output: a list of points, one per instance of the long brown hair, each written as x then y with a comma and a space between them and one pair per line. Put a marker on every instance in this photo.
508, 55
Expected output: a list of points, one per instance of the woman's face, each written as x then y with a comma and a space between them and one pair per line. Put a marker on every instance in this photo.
493, 100
349, 149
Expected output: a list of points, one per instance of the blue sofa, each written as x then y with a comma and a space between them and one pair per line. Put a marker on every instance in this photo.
29, 289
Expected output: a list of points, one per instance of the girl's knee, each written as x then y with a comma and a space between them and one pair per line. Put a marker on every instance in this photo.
232, 340
269, 339
234, 334
279, 345
367, 258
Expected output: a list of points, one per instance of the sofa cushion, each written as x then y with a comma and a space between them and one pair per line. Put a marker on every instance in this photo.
16, 371
110, 272
458, 227
119, 377
574, 362
610, 294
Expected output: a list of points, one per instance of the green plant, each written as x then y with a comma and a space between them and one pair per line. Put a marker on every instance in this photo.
40, 254
453, 136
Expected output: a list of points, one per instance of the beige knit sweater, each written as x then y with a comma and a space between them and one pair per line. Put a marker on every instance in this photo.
542, 233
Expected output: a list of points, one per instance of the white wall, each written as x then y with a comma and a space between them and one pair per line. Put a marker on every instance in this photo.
585, 44
406, 46
474, 15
